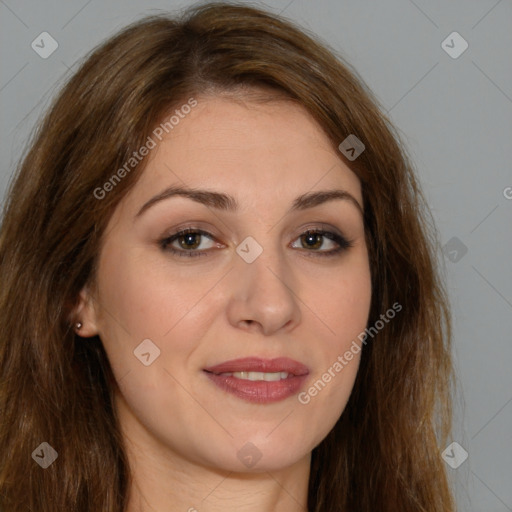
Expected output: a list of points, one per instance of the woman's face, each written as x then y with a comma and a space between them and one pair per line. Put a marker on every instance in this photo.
246, 311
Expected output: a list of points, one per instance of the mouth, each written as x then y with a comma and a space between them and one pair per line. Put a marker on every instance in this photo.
257, 376
259, 380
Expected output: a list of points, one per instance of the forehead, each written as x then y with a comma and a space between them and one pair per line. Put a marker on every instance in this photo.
247, 148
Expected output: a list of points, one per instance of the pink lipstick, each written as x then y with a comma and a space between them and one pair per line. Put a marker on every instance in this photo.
259, 380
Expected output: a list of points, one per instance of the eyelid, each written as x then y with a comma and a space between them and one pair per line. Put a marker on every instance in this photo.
318, 226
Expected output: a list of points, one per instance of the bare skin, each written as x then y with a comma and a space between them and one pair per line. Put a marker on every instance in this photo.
185, 437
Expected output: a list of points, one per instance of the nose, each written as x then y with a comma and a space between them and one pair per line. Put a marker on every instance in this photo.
263, 297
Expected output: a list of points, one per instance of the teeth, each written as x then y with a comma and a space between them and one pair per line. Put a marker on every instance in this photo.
269, 377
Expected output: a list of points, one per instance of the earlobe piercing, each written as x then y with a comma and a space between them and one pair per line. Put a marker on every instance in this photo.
79, 325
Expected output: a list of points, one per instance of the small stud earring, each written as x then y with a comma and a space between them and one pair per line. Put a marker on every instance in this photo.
79, 325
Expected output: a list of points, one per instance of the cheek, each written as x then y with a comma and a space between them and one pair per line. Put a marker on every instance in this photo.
145, 296
343, 302
146, 299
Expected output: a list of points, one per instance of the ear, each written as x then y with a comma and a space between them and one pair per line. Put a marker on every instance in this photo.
87, 314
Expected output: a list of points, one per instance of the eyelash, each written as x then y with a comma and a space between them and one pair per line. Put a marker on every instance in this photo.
343, 243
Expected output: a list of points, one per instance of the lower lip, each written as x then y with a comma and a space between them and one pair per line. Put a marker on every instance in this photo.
260, 391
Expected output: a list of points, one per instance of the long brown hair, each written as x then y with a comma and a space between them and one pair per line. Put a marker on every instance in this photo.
383, 453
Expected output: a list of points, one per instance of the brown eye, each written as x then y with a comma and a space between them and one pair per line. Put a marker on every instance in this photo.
312, 240
320, 241
189, 240
186, 242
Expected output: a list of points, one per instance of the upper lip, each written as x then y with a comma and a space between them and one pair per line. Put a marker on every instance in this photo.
256, 364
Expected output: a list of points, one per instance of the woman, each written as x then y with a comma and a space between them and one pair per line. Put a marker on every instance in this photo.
218, 286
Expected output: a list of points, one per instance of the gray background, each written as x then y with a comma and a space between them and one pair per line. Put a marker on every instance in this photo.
456, 119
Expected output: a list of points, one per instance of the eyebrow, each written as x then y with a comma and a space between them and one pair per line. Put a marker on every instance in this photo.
225, 202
